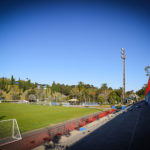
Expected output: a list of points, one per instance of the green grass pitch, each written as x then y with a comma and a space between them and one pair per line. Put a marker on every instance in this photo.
30, 117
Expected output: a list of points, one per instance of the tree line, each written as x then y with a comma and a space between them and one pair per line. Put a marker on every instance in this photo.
12, 89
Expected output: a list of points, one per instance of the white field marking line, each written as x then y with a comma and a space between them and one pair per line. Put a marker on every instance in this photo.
133, 133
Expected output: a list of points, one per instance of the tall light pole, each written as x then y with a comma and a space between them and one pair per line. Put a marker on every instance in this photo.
147, 71
123, 57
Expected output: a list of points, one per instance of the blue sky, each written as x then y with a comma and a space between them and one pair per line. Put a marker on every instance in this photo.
72, 42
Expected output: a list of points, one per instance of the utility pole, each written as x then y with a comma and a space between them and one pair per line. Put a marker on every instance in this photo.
123, 57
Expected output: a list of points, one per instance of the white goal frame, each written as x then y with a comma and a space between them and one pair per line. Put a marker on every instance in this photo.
14, 138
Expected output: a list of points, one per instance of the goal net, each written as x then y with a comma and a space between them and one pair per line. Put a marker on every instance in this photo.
9, 131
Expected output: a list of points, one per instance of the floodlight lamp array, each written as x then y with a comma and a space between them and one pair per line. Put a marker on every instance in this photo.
123, 53
147, 71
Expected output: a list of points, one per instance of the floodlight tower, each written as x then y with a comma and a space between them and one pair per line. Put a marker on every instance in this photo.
147, 71
123, 57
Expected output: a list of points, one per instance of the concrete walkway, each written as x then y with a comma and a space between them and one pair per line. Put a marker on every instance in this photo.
128, 131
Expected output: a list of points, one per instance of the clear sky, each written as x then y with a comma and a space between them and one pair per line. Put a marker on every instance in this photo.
78, 41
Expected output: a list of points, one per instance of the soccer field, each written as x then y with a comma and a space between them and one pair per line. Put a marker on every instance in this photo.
30, 117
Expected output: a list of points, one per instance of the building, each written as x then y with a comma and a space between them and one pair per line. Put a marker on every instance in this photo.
44, 86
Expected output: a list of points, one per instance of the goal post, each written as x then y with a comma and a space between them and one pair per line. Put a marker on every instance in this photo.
9, 131
15, 130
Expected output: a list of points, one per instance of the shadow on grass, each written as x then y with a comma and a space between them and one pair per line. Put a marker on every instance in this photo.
2, 117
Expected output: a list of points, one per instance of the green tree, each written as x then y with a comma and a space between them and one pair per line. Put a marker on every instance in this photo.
74, 92
129, 93
104, 89
141, 92
53, 88
80, 86
32, 91
119, 94
113, 97
28, 84
19, 84
100, 100
2, 83
12, 82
